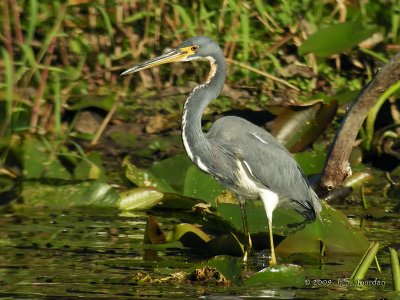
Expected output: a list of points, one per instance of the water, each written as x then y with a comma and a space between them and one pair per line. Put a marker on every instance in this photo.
96, 253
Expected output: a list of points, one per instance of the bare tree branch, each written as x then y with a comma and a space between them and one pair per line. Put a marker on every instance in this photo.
337, 166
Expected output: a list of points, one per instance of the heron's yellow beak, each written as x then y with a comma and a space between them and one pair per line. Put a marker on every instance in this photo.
178, 54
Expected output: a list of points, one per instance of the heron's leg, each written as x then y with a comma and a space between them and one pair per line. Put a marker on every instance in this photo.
270, 201
248, 245
272, 261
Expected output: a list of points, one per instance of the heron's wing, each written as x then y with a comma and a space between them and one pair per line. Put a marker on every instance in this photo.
266, 159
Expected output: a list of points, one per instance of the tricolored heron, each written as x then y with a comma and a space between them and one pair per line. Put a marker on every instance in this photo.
240, 155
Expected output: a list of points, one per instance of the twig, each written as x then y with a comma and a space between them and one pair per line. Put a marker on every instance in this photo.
43, 81
269, 76
106, 120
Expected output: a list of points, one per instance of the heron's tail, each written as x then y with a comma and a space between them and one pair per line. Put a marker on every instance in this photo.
309, 209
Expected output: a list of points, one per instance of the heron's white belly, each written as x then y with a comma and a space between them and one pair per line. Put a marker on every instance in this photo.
247, 183
253, 189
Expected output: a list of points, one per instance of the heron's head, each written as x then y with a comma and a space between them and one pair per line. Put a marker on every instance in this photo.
195, 48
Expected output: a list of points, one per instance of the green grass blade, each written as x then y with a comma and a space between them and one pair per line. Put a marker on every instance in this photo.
107, 21
394, 260
244, 21
371, 117
54, 32
9, 81
57, 103
365, 263
33, 20
187, 20
395, 21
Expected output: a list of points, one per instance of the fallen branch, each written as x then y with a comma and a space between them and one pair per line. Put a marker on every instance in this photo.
337, 166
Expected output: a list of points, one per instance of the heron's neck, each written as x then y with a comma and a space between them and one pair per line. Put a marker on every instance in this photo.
194, 140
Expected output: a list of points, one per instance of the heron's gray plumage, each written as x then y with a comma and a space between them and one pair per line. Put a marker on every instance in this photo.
269, 162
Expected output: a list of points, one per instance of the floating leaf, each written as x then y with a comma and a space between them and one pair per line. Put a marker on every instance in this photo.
64, 194
278, 276
335, 232
189, 235
201, 185
144, 178
172, 170
178, 202
140, 199
230, 267
336, 38
312, 161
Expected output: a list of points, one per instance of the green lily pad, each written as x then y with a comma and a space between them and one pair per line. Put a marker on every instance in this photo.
278, 276
312, 161
202, 186
64, 194
139, 199
335, 232
172, 170
188, 234
144, 178
228, 266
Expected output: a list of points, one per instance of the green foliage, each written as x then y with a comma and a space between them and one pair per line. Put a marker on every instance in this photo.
336, 38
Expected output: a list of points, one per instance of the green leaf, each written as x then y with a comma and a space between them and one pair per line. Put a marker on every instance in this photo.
90, 167
63, 194
312, 161
189, 235
202, 186
144, 178
139, 199
297, 129
278, 276
228, 266
40, 161
336, 38
335, 232
172, 170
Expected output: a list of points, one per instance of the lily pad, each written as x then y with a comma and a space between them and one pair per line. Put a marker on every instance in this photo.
188, 234
278, 276
140, 199
64, 194
202, 186
230, 267
144, 178
335, 232
172, 170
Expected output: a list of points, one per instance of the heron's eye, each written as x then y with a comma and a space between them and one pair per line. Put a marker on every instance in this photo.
195, 48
